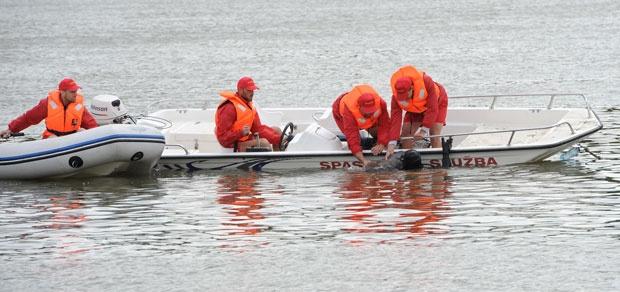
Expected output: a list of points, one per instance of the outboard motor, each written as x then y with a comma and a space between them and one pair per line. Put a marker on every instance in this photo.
108, 109
411, 160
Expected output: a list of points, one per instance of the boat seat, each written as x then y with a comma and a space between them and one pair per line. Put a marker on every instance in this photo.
195, 136
576, 122
457, 128
326, 121
271, 118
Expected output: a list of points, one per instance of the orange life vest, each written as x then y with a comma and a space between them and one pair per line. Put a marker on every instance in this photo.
420, 94
350, 101
245, 114
62, 121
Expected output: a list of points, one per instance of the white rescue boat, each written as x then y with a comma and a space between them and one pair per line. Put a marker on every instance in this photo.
480, 136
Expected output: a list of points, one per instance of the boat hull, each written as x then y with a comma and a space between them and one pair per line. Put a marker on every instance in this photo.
431, 158
482, 136
100, 151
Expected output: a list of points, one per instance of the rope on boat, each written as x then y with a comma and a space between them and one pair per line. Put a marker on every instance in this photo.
587, 150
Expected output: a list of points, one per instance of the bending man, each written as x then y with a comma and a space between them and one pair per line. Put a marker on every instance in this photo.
362, 109
425, 103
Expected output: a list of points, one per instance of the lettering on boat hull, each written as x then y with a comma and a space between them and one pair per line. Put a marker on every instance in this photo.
339, 164
466, 162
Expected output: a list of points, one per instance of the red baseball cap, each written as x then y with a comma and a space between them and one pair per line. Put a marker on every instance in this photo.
403, 85
68, 84
367, 104
246, 83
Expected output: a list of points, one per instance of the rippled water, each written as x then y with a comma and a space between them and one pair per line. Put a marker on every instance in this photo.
547, 226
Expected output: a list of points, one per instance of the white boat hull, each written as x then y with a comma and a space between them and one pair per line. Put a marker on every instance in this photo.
482, 137
101, 151
472, 158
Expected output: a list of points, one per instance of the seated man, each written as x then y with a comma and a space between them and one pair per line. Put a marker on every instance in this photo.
362, 109
63, 110
425, 103
236, 120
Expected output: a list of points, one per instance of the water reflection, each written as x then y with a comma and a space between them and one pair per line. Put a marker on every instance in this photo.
61, 219
66, 212
403, 202
72, 218
242, 201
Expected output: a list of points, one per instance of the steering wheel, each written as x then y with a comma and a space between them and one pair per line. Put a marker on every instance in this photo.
287, 135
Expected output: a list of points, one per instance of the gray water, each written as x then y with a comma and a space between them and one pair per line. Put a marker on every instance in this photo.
547, 226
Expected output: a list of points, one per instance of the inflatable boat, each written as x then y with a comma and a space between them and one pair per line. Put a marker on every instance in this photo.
101, 151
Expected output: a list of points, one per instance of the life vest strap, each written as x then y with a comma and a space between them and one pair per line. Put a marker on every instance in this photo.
58, 133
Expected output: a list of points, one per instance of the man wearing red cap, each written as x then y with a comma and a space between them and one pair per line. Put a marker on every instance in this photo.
63, 110
425, 103
362, 108
236, 120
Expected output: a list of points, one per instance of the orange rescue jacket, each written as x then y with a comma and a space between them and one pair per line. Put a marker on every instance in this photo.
245, 114
420, 94
350, 100
62, 121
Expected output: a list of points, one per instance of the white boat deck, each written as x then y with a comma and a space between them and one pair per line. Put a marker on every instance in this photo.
191, 131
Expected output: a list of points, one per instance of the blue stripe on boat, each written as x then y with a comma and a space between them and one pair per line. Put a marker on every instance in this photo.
77, 145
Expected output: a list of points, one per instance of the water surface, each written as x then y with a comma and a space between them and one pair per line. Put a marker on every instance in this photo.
546, 226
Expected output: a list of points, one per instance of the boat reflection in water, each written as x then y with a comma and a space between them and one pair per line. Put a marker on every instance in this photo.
403, 203
243, 202
382, 206
65, 212
65, 215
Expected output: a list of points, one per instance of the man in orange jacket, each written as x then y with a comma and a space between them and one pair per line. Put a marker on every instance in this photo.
63, 110
362, 108
425, 103
236, 120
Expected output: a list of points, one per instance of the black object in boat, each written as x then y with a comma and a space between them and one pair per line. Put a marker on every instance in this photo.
446, 146
366, 141
257, 147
